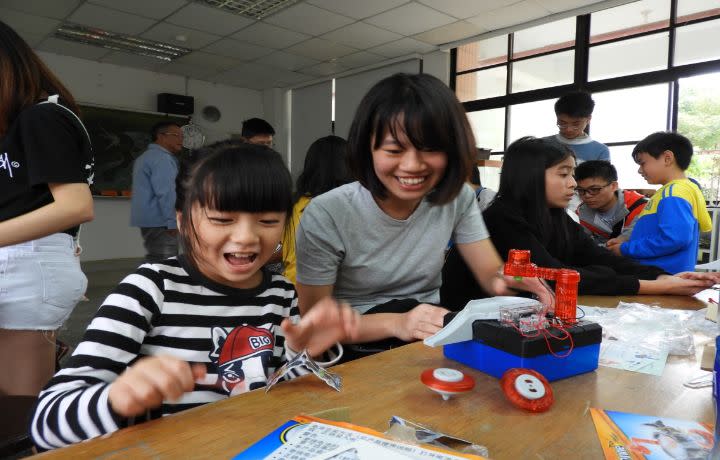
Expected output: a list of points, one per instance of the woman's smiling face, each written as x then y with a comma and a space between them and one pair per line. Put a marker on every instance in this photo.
407, 173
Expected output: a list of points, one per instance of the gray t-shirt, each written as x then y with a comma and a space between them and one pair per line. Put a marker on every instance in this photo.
346, 240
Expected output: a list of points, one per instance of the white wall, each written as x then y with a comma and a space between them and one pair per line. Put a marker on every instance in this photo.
437, 64
110, 236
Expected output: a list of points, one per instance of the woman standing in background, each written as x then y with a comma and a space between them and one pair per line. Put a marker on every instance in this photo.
325, 168
45, 169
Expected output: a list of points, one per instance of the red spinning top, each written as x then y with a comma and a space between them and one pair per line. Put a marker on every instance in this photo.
527, 389
447, 382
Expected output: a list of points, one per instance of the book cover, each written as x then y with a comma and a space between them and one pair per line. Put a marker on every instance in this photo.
625, 436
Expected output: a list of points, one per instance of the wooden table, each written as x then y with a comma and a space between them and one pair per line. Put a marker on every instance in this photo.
377, 387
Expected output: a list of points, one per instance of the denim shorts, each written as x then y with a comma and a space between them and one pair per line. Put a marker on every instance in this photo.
40, 283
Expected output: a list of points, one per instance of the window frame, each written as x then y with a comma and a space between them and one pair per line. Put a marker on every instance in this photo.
670, 75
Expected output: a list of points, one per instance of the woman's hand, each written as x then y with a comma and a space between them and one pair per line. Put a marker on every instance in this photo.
419, 323
325, 324
150, 381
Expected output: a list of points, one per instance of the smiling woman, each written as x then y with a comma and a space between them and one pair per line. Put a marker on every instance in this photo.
379, 243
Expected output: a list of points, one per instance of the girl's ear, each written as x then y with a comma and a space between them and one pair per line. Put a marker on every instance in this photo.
178, 218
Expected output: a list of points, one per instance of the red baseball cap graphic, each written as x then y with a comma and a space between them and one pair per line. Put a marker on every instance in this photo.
244, 342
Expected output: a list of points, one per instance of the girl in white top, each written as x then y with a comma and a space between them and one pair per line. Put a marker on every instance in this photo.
383, 238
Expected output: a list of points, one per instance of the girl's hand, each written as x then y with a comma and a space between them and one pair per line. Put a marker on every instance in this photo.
150, 381
420, 322
713, 277
539, 287
675, 285
325, 324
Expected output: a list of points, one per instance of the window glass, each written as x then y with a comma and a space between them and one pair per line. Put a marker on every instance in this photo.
483, 53
630, 19
691, 42
699, 120
533, 119
629, 114
543, 72
546, 37
489, 128
481, 84
627, 169
627, 57
694, 9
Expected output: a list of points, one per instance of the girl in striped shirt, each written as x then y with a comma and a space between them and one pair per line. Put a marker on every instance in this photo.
198, 327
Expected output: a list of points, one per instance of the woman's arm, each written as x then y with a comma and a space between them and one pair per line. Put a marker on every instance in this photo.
419, 323
73, 205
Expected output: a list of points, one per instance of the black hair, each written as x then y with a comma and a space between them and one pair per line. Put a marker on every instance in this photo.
575, 104
325, 167
475, 176
160, 127
657, 143
522, 182
429, 114
596, 168
24, 79
234, 177
256, 126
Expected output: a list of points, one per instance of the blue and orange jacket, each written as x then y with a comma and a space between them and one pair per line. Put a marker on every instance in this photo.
667, 231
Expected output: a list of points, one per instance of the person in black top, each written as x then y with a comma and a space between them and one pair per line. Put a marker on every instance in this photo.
46, 166
536, 185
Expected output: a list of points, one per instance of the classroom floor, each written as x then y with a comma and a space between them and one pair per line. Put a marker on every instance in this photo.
103, 276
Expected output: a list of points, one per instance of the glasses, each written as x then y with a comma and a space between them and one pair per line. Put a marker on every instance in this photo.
592, 191
172, 134
573, 125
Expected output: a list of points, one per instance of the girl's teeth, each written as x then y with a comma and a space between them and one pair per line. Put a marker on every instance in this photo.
413, 181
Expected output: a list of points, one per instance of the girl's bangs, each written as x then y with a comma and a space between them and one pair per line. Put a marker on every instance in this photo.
244, 186
407, 113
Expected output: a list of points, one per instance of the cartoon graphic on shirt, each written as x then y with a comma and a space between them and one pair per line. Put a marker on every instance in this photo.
242, 356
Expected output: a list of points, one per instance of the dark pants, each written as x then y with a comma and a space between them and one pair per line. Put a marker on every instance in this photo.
358, 350
159, 243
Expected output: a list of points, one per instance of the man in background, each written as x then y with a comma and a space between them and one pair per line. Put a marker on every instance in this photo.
257, 131
574, 112
153, 192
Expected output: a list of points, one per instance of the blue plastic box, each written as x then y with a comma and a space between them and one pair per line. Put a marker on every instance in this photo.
488, 354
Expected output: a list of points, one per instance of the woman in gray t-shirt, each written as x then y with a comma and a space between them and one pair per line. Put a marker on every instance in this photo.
383, 238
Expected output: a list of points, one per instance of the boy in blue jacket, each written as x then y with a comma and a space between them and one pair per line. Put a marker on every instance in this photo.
667, 231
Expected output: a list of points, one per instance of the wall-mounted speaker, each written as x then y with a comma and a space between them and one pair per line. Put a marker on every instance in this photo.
175, 104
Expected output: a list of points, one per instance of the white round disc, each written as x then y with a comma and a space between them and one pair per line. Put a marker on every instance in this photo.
445, 374
529, 386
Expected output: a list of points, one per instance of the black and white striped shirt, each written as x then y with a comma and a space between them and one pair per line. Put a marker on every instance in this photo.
166, 308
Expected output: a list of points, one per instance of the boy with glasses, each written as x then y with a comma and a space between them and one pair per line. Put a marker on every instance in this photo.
574, 112
668, 229
606, 211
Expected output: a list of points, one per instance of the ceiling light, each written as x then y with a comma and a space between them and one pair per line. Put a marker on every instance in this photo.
120, 42
254, 9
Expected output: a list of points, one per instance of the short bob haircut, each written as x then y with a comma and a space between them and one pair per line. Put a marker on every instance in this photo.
325, 167
235, 177
522, 181
596, 168
24, 79
656, 143
429, 114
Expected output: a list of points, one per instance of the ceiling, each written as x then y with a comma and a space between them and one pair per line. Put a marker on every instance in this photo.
307, 41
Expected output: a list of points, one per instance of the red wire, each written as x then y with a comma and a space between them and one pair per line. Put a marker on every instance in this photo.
545, 333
